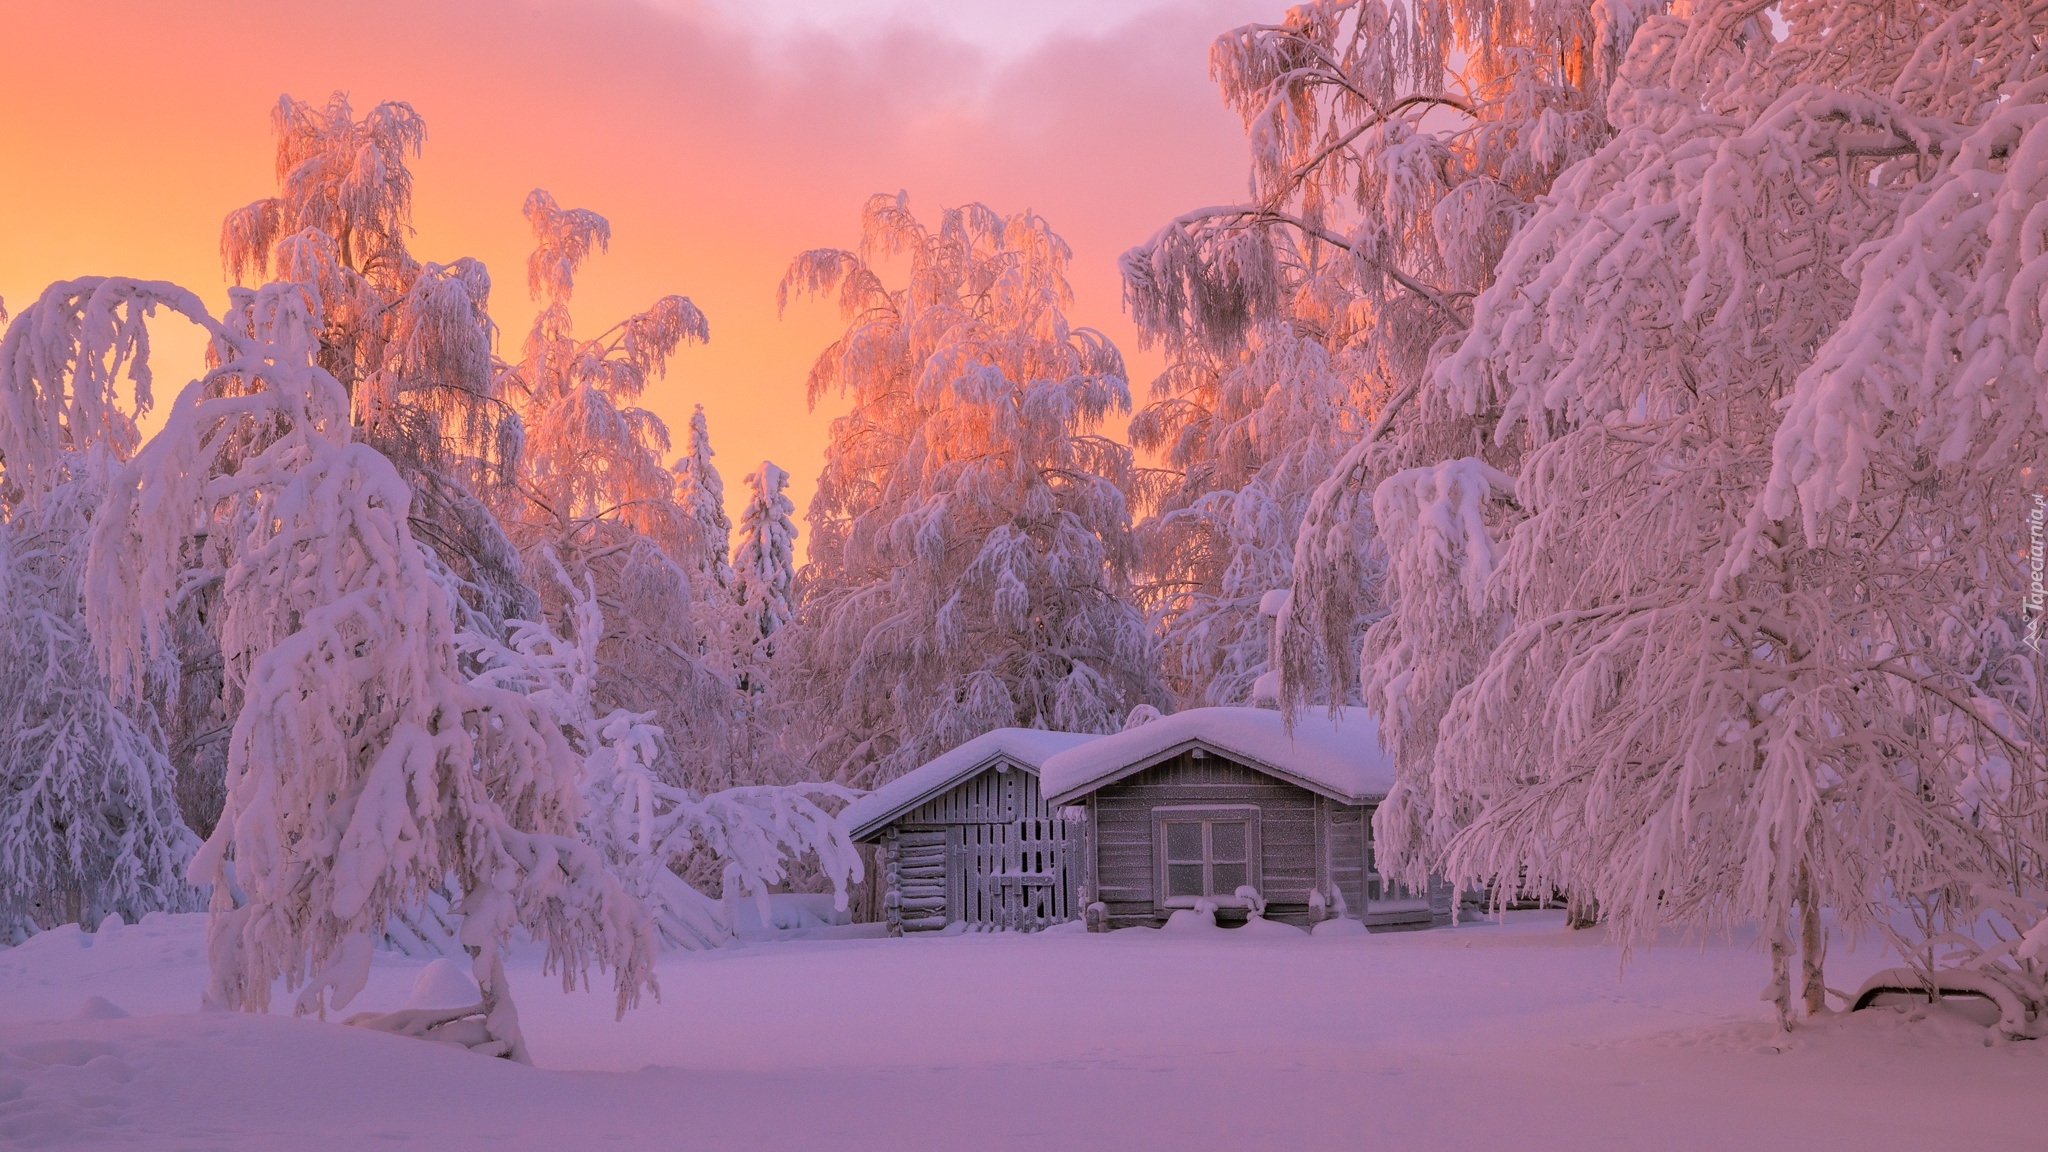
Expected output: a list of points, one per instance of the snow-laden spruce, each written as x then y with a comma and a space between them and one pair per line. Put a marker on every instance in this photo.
700, 492
970, 538
764, 570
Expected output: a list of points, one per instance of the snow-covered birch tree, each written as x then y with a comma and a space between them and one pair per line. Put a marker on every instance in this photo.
1394, 149
1609, 663
1242, 440
365, 769
410, 342
594, 497
89, 823
970, 539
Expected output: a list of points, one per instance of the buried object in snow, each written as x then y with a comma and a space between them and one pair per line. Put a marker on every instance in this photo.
1983, 995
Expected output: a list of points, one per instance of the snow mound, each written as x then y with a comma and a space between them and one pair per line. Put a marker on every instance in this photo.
100, 1008
1191, 920
1260, 926
1339, 927
443, 984
61, 938
1025, 747
787, 911
1339, 758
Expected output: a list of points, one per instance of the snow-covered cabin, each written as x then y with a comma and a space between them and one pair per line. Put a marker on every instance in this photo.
969, 838
1194, 806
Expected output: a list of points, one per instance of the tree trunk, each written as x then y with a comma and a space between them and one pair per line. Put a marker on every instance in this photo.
1779, 990
1813, 951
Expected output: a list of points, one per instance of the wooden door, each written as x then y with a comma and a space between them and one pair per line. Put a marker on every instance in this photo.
1018, 874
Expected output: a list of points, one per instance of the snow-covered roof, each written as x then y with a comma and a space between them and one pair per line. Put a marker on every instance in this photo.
1341, 759
1025, 747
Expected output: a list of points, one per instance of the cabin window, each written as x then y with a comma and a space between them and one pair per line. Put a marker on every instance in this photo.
1206, 852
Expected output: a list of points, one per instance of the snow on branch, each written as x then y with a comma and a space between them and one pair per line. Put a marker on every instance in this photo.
61, 369
1946, 329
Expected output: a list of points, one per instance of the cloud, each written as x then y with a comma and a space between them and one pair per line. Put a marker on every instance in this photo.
718, 145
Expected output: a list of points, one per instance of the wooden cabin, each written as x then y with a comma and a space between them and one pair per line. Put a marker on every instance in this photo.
969, 839
1194, 808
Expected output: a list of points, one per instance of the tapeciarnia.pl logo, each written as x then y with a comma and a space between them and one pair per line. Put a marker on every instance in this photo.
2037, 567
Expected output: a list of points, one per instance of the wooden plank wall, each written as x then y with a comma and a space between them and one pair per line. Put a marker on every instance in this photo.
1291, 834
921, 873
988, 852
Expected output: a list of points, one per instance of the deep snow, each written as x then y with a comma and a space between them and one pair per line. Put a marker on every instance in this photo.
1490, 1036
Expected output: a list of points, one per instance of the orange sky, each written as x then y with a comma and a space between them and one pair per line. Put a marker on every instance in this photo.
720, 141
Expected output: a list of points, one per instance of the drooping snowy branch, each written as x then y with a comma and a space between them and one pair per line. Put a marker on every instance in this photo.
89, 823
1243, 440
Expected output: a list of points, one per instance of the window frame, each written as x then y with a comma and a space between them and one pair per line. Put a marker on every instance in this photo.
1249, 815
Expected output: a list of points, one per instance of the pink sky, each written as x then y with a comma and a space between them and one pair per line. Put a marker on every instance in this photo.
720, 138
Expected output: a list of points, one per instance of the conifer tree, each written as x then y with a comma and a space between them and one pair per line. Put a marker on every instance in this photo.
764, 570
700, 491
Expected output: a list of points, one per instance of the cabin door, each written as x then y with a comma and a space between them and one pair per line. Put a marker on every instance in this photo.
1018, 874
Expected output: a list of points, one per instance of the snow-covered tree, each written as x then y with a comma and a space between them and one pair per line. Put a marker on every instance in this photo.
764, 569
89, 823
411, 344
392, 742
1609, 664
700, 491
1243, 439
594, 496
409, 340
649, 829
365, 769
1394, 148
970, 538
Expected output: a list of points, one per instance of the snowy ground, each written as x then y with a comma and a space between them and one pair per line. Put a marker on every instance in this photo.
1481, 1037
